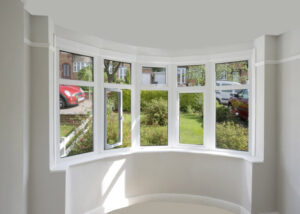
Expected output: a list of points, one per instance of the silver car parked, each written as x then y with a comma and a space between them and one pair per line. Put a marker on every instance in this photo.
223, 96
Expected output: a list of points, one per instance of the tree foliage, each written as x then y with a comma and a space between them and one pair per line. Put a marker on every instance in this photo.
233, 70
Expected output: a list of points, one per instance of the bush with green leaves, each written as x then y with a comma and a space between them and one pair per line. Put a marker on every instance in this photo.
156, 112
154, 136
230, 135
85, 143
148, 96
192, 102
126, 95
86, 73
235, 71
222, 113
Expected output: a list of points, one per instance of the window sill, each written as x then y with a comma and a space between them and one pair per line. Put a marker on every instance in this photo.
81, 159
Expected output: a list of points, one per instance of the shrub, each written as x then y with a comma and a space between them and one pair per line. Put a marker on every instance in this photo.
232, 136
222, 113
148, 96
154, 136
191, 100
85, 144
126, 100
189, 109
112, 124
156, 112
86, 74
127, 77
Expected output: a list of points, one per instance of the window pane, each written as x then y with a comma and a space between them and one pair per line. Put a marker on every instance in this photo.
224, 96
191, 75
232, 122
191, 118
113, 116
76, 119
75, 67
154, 75
154, 118
232, 73
117, 72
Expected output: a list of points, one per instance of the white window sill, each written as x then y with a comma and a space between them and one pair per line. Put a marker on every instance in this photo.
81, 159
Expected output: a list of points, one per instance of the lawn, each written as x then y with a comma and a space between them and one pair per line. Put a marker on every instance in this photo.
113, 129
191, 128
65, 130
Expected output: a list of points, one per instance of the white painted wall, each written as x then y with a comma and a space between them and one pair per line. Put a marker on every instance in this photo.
111, 182
288, 124
45, 188
13, 132
25, 110
167, 207
264, 174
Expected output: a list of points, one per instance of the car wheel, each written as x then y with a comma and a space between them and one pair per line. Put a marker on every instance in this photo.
62, 103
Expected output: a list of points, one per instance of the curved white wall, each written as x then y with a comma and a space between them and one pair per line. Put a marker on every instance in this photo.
111, 183
159, 207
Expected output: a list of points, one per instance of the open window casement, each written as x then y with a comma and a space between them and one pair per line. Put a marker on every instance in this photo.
113, 118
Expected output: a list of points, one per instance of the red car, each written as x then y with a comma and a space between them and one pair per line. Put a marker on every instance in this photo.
70, 95
238, 103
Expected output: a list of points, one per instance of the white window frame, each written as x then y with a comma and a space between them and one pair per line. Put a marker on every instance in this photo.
255, 151
246, 56
153, 87
117, 86
57, 162
193, 89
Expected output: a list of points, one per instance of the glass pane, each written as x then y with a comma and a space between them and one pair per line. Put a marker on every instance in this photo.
191, 75
154, 75
224, 96
154, 118
126, 128
113, 117
232, 73
232, 122
117, 72
76, 119
191, 118
75, 67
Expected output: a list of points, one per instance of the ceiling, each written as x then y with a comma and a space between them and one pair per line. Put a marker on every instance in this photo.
172, 24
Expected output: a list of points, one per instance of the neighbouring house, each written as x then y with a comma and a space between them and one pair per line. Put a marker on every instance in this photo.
124, 67
70, 64
153, 75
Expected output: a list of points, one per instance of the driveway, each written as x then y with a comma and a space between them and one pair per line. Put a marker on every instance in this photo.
83, 108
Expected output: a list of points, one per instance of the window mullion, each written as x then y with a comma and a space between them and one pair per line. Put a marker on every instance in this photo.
172, 106
210, 106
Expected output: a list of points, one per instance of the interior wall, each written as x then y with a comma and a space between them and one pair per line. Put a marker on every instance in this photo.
288, 129
13, 135
265, 174
46, 189
24, 82
110, 182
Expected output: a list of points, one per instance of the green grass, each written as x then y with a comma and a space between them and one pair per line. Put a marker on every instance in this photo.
65, 130
126, 130
112, 128
191, 128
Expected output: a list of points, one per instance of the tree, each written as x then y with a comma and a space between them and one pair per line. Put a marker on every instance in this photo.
86, 73
115, 68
